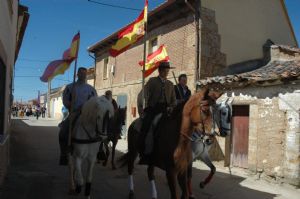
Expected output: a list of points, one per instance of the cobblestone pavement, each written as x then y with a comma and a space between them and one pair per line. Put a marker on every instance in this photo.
34, 173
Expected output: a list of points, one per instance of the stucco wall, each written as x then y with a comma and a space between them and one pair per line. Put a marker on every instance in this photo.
274, 133
8, 28
245, 26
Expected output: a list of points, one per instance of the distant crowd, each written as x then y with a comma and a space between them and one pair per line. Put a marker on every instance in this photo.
28, 111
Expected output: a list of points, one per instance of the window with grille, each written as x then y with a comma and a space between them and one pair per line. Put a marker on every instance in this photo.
153, 45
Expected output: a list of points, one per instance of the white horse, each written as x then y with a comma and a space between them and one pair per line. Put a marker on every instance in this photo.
201, 144
89, 130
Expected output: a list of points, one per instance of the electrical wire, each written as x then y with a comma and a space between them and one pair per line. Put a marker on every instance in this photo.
114, 6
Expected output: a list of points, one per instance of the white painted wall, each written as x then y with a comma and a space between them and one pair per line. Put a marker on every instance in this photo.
245, 25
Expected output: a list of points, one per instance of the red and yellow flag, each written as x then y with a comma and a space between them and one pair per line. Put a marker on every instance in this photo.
153, 60
72, 52
57, 67
130, 34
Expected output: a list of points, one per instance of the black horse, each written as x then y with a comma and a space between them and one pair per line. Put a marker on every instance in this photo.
114, 134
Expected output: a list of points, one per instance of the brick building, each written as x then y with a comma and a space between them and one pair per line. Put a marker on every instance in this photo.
13, 23
226, 28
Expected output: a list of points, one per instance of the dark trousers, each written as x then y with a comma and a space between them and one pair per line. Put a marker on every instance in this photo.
63, 135
150, 113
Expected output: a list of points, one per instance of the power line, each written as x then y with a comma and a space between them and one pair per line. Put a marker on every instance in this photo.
114, 6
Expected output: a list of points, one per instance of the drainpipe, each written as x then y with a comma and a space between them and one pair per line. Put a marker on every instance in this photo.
198, 23
95, 66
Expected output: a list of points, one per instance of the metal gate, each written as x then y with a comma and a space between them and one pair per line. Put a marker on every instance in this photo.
240, 136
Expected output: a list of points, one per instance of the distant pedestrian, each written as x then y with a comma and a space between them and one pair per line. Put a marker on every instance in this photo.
37, 111
43, 110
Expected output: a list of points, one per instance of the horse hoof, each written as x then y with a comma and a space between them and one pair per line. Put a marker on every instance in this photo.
114, 167
131, 195
202, 185
104, 164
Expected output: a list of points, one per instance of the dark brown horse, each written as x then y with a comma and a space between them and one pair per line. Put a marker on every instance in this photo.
172, 144
114, 134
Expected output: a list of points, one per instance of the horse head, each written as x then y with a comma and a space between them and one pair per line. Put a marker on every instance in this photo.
222, 117
201, 114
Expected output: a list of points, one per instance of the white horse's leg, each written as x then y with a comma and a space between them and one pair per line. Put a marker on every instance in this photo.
205, 158
78, 174
153, 189
91, 162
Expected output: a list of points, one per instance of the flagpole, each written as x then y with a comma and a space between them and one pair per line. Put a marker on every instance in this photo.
48, 98
144, 57
71, 120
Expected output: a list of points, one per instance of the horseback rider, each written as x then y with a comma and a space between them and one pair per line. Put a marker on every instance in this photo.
81, 93
159, 98
182, 91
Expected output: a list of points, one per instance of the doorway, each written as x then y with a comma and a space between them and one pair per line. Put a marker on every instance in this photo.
240, 136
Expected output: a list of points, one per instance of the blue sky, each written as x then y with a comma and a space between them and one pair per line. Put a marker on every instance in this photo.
53, 23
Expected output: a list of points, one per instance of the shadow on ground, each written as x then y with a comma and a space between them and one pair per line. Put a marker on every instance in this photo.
34, 173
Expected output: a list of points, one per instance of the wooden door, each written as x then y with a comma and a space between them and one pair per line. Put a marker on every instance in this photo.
240, 136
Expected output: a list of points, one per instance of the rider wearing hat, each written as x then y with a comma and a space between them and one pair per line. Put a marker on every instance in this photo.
159, 98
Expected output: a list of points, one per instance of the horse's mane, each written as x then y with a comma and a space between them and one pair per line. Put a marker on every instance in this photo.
92, 106
182, 156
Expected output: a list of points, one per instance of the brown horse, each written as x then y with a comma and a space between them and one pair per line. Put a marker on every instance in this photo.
114, 134
172, 144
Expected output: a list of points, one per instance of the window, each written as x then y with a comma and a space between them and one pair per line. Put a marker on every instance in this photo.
105, 69
2, 95
153, 45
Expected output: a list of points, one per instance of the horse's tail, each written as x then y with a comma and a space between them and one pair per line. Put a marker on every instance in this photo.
130, 156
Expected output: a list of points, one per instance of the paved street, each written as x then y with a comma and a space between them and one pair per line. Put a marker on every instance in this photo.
35, 174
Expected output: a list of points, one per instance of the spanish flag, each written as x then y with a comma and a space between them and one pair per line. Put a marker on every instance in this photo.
57, 67
72, 52
153, 60
130, 34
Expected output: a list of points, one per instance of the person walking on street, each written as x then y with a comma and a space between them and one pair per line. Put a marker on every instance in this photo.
37, 111
43, 110
82, 93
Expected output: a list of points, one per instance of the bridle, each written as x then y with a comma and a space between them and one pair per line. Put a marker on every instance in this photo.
203, 132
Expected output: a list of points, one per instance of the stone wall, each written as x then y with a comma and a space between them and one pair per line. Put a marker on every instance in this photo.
273, 129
